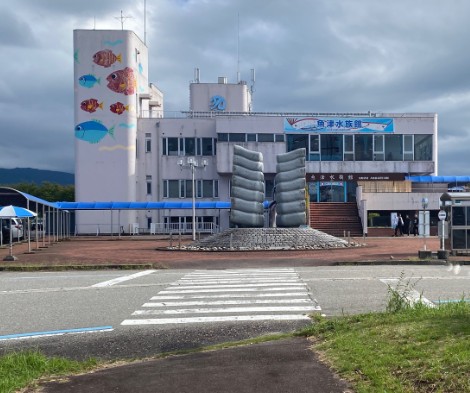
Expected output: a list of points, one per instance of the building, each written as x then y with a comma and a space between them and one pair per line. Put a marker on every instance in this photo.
129, 150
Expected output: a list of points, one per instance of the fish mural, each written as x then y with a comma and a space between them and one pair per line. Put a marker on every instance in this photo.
92, 131
88, 80
91, 105
106, 58
122, 81
118, 108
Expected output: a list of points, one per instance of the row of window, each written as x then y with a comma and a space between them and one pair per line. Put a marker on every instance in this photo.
362, 147
184, 188
189, 146
243, 137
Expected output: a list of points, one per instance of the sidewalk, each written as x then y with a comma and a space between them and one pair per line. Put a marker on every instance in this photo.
271, 367
149, 251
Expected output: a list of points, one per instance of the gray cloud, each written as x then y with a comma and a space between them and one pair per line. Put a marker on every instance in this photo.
322, 55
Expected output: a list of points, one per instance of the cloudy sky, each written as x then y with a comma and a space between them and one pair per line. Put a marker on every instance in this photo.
309, 55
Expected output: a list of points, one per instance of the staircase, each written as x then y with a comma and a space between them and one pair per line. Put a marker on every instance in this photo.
336, 218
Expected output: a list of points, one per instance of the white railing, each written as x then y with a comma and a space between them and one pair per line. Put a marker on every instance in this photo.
134, 229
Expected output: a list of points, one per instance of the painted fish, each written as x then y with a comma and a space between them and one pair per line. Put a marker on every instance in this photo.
92, 131
88, 80
122, 81
106, 58
91, 105
118, 108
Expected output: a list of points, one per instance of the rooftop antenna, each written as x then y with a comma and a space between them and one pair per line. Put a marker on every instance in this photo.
145, 22
238, 48
94, 23
123, 18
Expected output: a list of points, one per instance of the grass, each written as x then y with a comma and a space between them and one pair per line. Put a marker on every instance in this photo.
412, 349
19, 369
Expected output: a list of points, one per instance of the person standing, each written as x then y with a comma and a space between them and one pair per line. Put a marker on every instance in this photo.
415, 225
399, 226
406, 226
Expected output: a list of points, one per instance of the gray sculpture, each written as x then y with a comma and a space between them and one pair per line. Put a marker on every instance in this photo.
247, 194
290, 189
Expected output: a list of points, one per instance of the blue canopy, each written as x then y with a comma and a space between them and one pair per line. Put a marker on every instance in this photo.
113, 205
439, 179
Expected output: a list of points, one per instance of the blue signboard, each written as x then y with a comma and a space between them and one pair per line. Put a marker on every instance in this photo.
337, 124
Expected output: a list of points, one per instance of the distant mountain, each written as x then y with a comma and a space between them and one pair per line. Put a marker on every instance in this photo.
37, 176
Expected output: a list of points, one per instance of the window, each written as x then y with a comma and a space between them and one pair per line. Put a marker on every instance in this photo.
314, 153
279, 138
265, 137
170, 146
408, 147
268, 188
363, 147
379, 148
189, 146
251, 137
149, 184
171, 189
148, 142
331, 147
348, 147
208, 146
296, 142
222, 137
423, 147
236, 137
393, 147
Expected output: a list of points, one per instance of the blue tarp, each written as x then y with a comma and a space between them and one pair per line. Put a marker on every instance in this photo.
439, 179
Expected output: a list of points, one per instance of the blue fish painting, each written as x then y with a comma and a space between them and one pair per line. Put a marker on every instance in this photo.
92, 131
88, 80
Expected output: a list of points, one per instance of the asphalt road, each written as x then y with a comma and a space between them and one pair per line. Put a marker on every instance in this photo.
129, 314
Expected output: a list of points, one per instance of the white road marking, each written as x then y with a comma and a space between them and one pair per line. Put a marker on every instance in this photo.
412, 296
278, 294
238, 295
122, 279
226, 310
235, 318
227, 302
229, 290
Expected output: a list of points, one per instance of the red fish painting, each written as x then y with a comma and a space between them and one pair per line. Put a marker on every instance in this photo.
91, 105
122, 81
106, 58
118, 108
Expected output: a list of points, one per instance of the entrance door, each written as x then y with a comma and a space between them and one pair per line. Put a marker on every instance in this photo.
332, 191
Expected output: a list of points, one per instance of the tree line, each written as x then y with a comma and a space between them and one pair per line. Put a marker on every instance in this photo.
48, 191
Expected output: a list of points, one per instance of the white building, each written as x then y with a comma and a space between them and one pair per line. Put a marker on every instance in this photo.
135, 153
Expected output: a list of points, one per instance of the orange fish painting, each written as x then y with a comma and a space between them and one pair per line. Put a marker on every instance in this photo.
91, 105
122, 81
118, 108
106, 58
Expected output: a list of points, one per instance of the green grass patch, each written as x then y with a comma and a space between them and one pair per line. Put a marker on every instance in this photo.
19, 369
414, 349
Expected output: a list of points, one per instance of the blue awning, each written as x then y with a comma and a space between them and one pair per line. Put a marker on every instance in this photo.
113, 205
439, 179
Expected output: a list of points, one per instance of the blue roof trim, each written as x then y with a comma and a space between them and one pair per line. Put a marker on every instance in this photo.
439, 179
144, 205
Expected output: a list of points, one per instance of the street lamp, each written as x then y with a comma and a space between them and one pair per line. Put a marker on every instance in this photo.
192, 163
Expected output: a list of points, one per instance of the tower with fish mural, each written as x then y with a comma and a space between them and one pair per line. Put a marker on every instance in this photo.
110, 76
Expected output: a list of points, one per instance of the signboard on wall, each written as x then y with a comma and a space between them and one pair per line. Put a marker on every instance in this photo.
355, 176
338, 124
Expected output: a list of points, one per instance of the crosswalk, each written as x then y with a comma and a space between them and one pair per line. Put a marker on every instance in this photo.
211, 296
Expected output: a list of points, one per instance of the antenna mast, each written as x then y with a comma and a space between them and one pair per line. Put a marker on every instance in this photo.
145, 22
122, 18
238, 48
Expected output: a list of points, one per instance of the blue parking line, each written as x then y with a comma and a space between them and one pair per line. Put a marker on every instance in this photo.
55, 332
